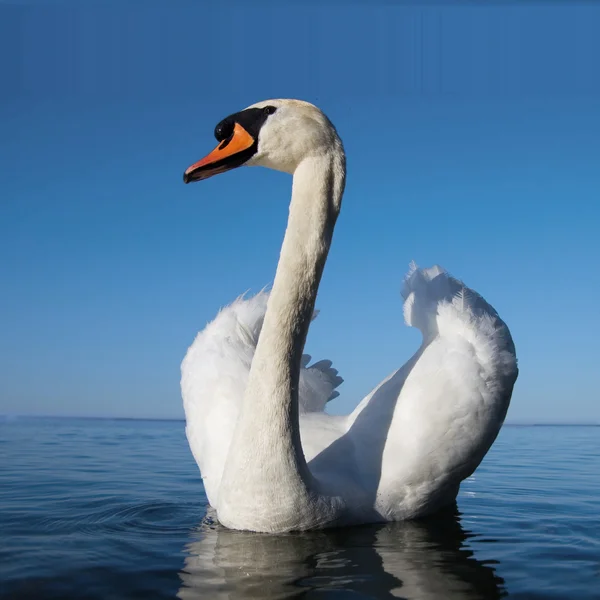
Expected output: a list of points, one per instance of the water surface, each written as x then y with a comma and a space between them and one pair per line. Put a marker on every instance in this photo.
115, 509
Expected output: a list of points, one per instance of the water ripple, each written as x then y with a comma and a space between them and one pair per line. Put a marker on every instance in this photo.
116, 509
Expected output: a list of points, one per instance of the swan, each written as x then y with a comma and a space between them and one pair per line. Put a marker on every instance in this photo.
271, 459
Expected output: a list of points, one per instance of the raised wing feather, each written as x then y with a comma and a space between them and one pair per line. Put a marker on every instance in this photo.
428, 425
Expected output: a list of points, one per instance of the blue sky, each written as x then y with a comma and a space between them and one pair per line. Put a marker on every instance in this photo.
473, 141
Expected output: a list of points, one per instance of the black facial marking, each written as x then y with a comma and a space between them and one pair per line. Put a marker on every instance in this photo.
225, 143
251, 119
224, 129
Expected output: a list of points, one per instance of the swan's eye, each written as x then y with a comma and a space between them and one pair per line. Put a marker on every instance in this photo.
224, 129
269, 110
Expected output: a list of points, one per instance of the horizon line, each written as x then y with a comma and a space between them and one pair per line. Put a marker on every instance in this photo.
524, 423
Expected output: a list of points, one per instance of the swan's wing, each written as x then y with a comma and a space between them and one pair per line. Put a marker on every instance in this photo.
318, 383
428, 425
214, 375
460, 387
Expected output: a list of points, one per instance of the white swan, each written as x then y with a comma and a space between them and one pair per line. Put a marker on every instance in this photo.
271, 459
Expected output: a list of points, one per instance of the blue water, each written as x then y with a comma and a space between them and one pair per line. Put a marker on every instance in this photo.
116, 509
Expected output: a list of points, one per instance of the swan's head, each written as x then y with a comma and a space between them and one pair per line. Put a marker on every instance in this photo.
277, 134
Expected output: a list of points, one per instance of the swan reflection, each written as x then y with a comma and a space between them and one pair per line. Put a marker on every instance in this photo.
424, 560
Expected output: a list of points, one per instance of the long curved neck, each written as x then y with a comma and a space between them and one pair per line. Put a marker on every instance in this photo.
265, 457
315, 205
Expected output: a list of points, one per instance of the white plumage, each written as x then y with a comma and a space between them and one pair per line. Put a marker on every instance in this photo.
447, 403
400, 454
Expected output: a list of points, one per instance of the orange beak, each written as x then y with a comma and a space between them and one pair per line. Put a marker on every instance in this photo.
229, 154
